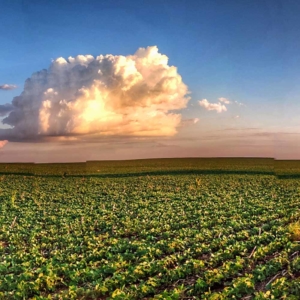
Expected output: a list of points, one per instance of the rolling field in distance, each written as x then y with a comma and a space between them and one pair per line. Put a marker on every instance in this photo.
268, 166
151, 229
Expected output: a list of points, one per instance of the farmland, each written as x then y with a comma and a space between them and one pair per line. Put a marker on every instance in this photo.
150, 229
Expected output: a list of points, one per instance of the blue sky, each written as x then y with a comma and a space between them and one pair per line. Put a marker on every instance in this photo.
248, 51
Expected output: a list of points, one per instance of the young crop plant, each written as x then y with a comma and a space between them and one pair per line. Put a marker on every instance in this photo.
294, 230
13, 198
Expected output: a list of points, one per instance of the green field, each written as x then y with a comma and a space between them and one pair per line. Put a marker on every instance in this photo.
150, 229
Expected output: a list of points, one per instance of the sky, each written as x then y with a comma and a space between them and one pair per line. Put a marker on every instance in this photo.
98, 80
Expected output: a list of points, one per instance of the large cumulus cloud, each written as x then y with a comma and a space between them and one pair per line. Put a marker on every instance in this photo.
133, 95
5, 109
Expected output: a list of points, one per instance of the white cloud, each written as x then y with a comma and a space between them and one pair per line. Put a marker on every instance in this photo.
239, 103
133, 95
224, 100
188, 122
7, 87
218, 107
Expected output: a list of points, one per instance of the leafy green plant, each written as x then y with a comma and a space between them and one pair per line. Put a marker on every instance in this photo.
294, 230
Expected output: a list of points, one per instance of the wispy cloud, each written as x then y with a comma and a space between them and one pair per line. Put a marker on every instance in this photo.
224, 100
218, 107
3, 143
239, 103
188, 122
7, 87
239, 129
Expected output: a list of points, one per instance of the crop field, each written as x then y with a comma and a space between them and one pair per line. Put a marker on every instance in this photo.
153, 229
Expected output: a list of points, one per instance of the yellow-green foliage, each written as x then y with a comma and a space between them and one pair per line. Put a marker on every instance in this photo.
159, 229
13, 198
294, 230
